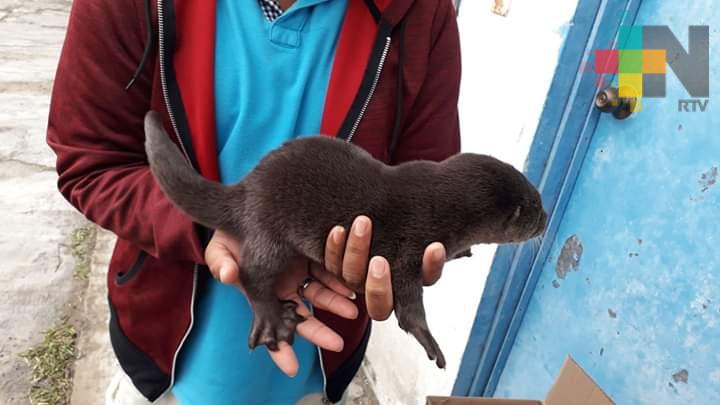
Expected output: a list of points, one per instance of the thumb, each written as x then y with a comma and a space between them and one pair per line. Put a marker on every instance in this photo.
432, 263
221, 263
378, 289
229, 272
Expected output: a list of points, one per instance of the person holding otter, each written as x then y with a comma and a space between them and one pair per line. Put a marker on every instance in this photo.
233, 80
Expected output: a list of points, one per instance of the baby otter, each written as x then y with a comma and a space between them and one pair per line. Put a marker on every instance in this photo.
287, 205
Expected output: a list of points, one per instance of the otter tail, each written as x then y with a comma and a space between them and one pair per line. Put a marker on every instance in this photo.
208, 203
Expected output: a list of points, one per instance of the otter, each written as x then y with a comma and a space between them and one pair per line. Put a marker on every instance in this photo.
286, 206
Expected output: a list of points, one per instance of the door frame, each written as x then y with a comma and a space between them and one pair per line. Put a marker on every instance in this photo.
558, 149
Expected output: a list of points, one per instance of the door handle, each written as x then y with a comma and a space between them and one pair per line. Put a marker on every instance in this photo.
609, 101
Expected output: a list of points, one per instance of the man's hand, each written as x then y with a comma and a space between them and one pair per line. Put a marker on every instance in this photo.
348, 257
223, 257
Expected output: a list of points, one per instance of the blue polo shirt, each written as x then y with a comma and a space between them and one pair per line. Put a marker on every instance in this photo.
271, 79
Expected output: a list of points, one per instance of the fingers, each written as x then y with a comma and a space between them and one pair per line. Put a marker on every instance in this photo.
433, 262
221, 263
285, 359
324, 298
331, 281
334, 249
357, 252
221, 256
378, 290
317, 332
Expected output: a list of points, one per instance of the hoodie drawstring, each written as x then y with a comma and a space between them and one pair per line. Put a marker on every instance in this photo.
374, 10
148, 45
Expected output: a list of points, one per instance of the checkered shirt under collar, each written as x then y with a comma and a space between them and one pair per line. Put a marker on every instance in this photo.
271, 9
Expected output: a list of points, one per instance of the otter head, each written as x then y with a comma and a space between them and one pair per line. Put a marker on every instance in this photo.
504, 206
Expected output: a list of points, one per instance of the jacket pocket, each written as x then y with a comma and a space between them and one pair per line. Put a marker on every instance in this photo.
123, 277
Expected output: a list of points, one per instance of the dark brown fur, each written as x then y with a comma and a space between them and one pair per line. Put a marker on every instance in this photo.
287, 205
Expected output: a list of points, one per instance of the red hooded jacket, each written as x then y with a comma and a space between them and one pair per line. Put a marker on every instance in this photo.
393, 91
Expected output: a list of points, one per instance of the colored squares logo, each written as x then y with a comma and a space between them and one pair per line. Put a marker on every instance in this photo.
646, 61
630, 37
631, 85
631, 61
653, 61
606, 61
639, 64
641, 72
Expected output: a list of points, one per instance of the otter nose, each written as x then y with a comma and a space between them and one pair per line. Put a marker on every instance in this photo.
542, 223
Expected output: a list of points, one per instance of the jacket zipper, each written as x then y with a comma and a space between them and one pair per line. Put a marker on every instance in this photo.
381, 64
163, 78
353, 129
166, 96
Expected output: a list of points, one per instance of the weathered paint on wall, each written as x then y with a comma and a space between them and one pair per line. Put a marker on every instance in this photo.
632, 285
508, 63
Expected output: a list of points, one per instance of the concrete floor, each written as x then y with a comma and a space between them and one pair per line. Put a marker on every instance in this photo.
36, 275
36, 243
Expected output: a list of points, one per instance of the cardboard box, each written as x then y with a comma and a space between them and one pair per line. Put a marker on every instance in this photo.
572, 387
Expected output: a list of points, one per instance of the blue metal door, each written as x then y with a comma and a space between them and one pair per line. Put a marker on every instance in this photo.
627, 280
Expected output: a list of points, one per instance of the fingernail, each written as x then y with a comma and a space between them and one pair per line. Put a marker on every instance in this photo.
377, 269
222, 274
353, 296
338, 234
439, 254
361, 227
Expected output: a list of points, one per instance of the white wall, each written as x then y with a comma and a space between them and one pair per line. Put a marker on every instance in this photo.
508, 63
